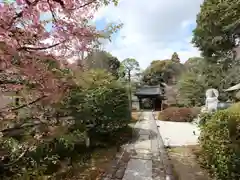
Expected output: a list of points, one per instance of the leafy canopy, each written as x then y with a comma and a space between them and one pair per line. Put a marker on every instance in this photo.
36, 55
102, 60
128, 66
163, 70
218, 27
202, 74
99, 99
175, 57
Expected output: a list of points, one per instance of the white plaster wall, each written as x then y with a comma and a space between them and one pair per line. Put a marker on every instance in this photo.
135, 105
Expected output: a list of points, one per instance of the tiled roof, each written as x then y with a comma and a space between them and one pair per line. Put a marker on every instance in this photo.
148, 90
234, 88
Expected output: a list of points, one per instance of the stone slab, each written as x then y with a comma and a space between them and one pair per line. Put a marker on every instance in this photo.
146, 156
143, 145
155, 146
132, 176
138, 169
143, 137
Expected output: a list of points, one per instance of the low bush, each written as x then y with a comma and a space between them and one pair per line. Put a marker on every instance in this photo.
178, 114
204, 117
99, 102
50, 157
96, 105
235, 107
43, 157
220, 143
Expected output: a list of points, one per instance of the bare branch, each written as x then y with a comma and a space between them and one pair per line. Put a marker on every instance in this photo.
52, 12
25, 105
41, 48
60, 2
21, 155
84, 5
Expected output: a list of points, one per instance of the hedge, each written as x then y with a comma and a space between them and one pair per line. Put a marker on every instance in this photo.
177, 114
220, 144
97, 104
99, 101
235, 107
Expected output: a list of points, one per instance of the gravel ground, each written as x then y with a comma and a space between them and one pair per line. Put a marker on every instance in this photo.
182, 138
178, 133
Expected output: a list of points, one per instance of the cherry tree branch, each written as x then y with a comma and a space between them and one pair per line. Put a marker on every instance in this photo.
41, 48
84, 5
27, 104
20, 14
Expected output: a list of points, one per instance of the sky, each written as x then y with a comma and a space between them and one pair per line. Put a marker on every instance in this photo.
152, 29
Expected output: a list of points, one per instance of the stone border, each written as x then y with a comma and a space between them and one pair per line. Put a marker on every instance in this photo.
167, 166
119, 164
161, 162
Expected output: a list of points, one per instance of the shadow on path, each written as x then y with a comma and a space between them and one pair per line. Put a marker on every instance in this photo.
141, 134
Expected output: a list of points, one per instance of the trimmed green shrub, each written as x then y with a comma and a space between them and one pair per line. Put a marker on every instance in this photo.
235, 107
220, 144
100, 102
204, 117
178, 114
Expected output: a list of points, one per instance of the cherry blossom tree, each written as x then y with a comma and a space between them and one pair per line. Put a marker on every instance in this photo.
31, 55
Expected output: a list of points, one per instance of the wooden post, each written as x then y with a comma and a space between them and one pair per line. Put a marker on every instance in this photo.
140, 103
161, 105
153, 104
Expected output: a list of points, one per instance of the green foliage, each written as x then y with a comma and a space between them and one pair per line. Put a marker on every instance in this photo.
191, 89
175, 57
204, 117
130, 64
99, 101
162, 71
103, 60
42, 158
128, 68
205, 74
220, 145
217, 27
234, 108
97, 106
193, 64
189, 95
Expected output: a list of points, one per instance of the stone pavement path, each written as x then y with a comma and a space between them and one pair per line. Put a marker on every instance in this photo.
141, 159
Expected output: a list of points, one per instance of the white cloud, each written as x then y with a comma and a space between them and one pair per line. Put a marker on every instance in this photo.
152, 29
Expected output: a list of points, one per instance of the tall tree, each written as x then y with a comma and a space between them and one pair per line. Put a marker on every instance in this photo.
218, 28
202, 74
129, 66
193, 64
162, 70
191, 89
175, 58
102, 60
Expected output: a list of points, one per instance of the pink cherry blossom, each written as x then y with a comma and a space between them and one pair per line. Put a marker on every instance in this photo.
26, 45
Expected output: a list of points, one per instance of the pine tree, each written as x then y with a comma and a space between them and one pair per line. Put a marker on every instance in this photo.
175, 57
